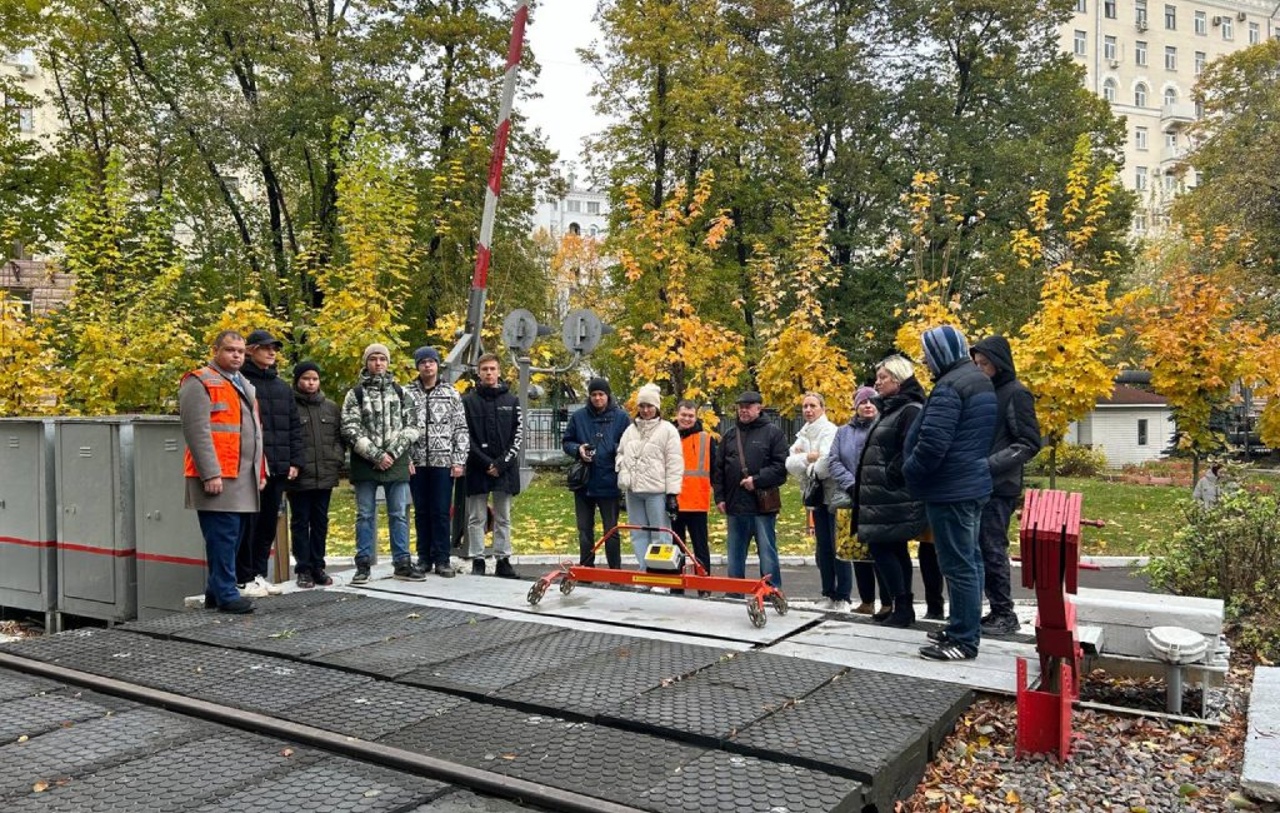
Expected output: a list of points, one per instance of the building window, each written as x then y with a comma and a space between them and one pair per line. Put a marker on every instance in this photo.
1140, 224
1171, 18
1171, 141
1202, 23
1140, 179
1140, 53
1142, 431
594, 231
1199, 63
1109, 48
1140, 95
1170, 182
1109, 90
1140, 14
1140, 138
1170, 58
18, 301
1199, 109
1079, 42
1255, 34
1228, 28
573, 205
593, 207
21, 115
1109, 9
575, 229
1170, 96
1082, 6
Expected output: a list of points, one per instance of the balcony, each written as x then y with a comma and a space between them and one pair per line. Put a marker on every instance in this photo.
1177, 115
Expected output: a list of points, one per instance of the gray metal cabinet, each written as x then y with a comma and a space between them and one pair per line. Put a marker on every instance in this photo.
171, 556
28, 518
96, 552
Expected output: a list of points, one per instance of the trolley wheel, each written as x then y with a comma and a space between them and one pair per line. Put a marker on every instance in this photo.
756, 613
780, 605
537, 591
566, 586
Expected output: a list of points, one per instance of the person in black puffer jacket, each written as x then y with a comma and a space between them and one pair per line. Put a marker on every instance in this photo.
887, 515
496, 427
1017, 441
282, 444
309, 493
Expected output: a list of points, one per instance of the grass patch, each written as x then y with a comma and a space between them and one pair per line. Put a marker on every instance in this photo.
542, 518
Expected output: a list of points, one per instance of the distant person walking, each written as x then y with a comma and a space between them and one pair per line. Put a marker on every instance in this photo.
380, 426
223, 463
1208, 488
807, 462
282, 444
1017, 440
751, 464
592, 436
310, 492
698, 447
946, 468
496, 426
650, 469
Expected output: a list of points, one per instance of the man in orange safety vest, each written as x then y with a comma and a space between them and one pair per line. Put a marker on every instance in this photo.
694, 500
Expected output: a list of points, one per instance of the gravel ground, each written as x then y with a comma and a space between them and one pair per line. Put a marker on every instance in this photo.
1120, 763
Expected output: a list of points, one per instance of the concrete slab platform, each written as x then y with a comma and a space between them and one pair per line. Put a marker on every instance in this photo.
620, 609
897, 651
1126, 616
1260, 777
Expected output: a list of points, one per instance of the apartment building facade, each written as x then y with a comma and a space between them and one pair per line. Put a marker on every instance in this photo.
1144, 57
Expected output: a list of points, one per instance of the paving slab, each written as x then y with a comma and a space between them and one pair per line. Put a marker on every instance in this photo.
897, 651
1125, 617
1260, 777
709, 618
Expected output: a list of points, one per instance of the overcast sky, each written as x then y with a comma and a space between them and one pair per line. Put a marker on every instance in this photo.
556, 29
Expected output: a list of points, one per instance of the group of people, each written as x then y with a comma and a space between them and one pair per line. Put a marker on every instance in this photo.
252, 440
943, 469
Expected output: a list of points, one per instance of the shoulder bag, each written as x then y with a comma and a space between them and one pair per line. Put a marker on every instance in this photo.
768, 500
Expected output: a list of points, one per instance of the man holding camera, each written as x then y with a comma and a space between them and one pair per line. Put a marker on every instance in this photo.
592, 436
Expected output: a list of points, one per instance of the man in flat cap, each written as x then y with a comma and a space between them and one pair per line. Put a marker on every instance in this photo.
285, 453
750, 462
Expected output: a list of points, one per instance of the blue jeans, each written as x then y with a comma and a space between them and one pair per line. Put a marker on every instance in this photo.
222, 531
432, 490
955, 534
836, 575
742, 527
367, 519
646, 509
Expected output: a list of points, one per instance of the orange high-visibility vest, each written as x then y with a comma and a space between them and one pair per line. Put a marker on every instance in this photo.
224, 424
695, 494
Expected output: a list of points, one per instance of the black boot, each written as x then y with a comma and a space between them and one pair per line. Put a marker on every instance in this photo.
504, 570
904, 612
477, 566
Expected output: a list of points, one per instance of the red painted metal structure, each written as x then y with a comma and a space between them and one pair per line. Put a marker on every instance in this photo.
1050, 539
692, 577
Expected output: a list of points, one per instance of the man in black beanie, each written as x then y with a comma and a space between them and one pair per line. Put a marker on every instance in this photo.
592, 436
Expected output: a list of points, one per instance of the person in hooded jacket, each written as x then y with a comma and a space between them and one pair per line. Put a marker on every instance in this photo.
495, 423
888, 515
808, 454
282, 445
839, 473
592, 436
1017, 440
309, 493
946, 468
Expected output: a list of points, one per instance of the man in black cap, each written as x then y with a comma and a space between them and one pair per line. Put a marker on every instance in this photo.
285, 453
592, 436
750, 461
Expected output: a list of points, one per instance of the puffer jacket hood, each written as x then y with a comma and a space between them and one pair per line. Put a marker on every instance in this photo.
996, 348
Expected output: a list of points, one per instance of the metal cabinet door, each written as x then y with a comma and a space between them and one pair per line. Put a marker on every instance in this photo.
88, 496
171, 564
23, 537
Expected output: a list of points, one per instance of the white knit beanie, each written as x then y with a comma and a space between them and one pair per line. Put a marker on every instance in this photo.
649, 394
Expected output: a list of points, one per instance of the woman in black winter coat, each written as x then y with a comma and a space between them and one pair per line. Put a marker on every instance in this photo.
888, 516
309, 493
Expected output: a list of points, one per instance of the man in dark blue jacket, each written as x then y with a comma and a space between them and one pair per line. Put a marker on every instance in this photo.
1016, 441
592, 436
946, 468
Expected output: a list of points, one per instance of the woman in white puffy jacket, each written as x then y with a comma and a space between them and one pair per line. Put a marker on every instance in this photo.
807, 462
650, 468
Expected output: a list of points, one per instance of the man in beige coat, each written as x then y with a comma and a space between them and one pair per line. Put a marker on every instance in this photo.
224, 464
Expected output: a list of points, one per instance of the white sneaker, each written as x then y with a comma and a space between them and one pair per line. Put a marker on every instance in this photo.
824, 604
662, 590
841, 607
268, 588
253, 590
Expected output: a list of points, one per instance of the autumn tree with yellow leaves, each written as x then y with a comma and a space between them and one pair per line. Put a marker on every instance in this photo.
30, 383
665, 256
800, 354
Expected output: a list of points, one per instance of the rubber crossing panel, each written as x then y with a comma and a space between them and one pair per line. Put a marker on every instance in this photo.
373, 709
333, 786
404, 655
722, 781
239, 629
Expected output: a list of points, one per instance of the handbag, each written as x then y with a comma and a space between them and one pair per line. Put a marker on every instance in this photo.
579, 475
768, 500
814, 493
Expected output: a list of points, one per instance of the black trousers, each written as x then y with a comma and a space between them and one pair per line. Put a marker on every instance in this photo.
993, 538
254, 555
584, 511
309, 527
691, 526
931, 575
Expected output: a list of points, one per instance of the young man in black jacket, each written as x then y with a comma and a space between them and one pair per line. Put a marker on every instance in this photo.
496, 427
1017, 440
282, 443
